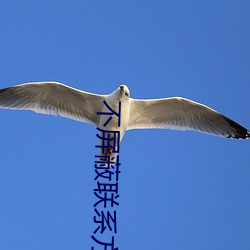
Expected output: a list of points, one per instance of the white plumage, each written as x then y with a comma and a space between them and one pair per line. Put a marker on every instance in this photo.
168, 113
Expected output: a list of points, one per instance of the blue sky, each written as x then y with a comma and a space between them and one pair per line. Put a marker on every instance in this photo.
178, 190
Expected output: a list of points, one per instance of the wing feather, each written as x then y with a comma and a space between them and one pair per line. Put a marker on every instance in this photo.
182, 114
53, 98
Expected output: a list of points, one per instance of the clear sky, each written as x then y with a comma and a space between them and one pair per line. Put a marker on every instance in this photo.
178, 190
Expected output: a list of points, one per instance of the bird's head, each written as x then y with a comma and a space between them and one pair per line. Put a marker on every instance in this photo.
121, 94
124, 91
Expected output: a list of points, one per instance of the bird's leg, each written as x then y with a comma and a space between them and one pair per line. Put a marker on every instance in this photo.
108, 153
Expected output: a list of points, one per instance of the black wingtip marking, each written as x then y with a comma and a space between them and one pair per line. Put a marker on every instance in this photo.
3, 90
248, 134
239, 131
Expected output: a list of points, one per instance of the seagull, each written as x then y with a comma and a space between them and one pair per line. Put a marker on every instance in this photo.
176, 113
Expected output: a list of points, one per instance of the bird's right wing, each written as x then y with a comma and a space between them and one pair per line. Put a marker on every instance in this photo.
53, 98
182, 114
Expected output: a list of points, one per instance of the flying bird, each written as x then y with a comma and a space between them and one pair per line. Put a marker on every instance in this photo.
175, 113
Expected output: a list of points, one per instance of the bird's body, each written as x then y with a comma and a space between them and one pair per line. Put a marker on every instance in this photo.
113, 101
167, 113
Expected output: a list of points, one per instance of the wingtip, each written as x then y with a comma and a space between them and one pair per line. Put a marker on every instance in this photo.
248, 135
239, 131
244, 135
3, 90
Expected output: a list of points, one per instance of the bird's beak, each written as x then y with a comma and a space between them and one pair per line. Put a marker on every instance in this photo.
122, 88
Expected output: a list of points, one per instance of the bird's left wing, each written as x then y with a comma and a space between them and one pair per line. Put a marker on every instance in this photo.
182, 114
53, 98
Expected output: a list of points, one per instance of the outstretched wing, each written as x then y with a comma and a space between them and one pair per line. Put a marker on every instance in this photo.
182, 114
53, 98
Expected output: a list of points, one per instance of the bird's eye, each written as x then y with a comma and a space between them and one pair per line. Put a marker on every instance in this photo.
126, 93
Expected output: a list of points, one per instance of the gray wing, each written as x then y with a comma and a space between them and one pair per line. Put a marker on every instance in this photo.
53, 98
182, 114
